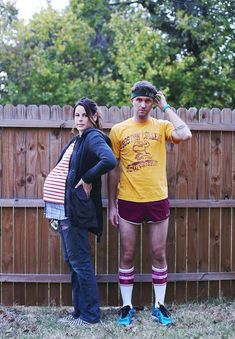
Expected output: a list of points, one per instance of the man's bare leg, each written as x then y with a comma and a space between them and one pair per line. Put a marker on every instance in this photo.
157, 243
128, 237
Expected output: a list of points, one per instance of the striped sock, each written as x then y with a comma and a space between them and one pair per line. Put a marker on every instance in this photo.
126, 282
159, 278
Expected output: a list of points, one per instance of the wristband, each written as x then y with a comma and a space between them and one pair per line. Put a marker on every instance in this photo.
164, 108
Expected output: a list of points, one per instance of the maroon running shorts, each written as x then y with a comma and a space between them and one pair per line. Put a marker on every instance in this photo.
138, 212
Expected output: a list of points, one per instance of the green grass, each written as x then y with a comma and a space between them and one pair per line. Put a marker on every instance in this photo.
205, 320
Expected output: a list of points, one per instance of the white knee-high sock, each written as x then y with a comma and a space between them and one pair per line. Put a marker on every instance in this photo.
126, 282
159, 278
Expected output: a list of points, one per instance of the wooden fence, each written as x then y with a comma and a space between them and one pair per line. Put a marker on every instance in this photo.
200, 247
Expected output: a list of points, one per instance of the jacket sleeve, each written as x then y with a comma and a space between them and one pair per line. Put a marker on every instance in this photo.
106, 158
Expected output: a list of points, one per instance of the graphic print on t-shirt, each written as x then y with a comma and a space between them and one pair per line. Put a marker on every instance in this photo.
141, 147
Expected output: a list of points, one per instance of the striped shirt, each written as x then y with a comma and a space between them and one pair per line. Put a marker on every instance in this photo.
54, 186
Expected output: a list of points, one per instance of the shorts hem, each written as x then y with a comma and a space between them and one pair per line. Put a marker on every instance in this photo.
131, 222
155, 222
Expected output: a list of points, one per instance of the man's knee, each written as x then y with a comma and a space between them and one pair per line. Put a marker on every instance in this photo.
159, 254
127, 257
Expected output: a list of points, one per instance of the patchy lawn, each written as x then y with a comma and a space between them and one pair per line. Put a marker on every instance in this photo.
204, 320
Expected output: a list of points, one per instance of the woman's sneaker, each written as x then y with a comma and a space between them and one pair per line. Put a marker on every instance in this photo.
78, 322
72, 321
66, 319
126, 315
162, 315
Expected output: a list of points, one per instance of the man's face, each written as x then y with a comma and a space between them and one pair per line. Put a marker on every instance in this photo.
142, 106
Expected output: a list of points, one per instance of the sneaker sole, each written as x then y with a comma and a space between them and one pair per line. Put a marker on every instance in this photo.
166, 324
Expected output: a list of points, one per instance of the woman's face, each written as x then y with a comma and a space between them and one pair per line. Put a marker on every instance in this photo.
81, 120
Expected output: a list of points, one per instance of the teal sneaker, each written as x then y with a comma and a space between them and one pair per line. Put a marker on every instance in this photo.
126, 315
162, 315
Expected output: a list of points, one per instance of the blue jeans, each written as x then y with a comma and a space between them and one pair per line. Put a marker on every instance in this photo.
85, 295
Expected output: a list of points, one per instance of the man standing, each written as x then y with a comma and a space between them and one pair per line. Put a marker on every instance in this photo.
140, 179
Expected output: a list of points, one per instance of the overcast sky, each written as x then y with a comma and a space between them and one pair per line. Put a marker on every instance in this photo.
28, 7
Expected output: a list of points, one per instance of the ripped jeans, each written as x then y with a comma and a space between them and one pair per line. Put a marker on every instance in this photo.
85, 295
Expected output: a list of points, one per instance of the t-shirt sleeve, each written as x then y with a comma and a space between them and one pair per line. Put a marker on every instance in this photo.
169, 128
115, 142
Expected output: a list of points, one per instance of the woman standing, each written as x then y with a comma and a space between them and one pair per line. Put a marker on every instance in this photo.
72, 195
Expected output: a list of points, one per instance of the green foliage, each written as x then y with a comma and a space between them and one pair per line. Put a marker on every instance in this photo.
101, 48
138, 53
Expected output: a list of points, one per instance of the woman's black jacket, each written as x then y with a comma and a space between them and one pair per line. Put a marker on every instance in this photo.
91, 157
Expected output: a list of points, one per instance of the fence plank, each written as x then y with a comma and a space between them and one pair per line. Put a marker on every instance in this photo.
215, 244
189, 203
1, 112
172, 154
66, 291
19, 254
113, 263
62, 124
203, 192
226, 231
233, 156
146, 296
215, 193
9, 112
171, 254
182, 165
43, 256
1, 164
203, 250
181, 219
32, 155
233, 210
8, 164
226, 156
115, 114
54, 241
102, 260
181, 214
232, 296
111, 278
192, 251
216, 160
226, 264
204, 163
7, 257
126, 112
137, 267
31, 254
43, 113
192, 224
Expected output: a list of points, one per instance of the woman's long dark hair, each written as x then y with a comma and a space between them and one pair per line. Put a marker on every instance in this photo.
91, 109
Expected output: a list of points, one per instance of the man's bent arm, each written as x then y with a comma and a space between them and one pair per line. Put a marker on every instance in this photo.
181, 131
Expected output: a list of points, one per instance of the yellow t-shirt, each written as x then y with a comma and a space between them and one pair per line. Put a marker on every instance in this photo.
140, 148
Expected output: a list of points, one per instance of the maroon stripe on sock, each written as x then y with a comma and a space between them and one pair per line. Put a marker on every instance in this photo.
159, 278
126, 281
159, 281
129, 274
159, 273
126, 278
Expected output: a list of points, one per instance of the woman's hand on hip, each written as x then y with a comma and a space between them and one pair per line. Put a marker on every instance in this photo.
87, 187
